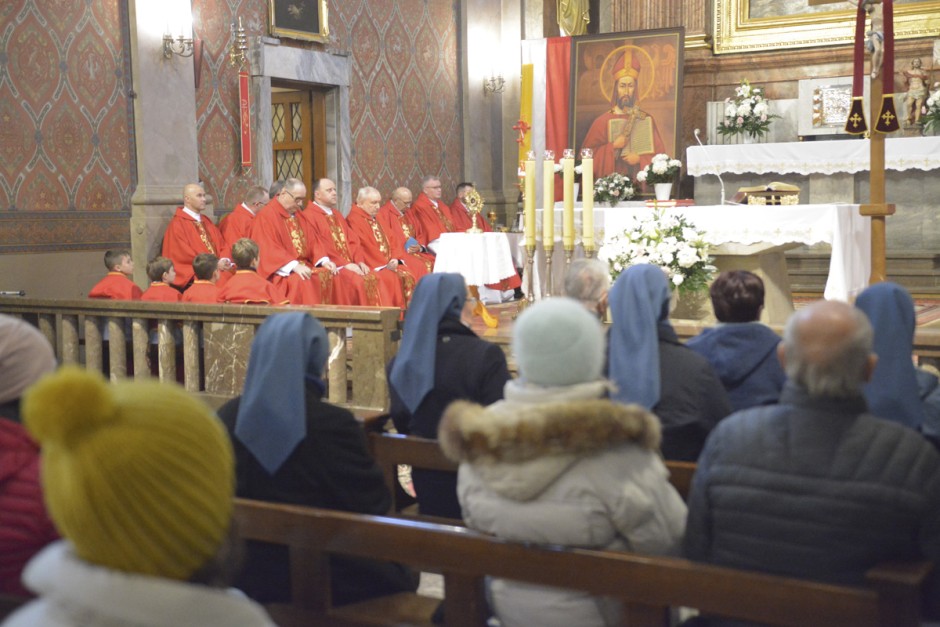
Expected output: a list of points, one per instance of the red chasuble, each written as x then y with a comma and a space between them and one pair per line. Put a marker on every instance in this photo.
247, 288
341, 245
201, 292
235, 226
462, 220
434, 220
398, 228
160, 292
283, 238
378, 251
185, 238
606, 157
115, 286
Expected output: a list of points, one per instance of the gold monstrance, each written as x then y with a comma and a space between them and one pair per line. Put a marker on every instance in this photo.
475, 205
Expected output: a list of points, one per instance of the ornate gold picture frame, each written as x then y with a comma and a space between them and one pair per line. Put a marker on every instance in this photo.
307, 20
792, 24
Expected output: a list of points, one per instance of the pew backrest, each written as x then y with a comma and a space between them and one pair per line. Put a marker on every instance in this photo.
648, 586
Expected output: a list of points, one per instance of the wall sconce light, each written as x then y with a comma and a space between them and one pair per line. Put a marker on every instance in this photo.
494, 85
237, 52
184, 47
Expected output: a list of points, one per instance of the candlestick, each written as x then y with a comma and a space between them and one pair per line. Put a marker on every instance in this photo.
567, 226
587, 203
548, 199
528, 207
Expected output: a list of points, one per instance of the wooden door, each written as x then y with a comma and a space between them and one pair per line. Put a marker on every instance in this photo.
298, 125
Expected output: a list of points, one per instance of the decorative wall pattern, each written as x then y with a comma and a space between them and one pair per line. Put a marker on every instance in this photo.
404, 93
67, 159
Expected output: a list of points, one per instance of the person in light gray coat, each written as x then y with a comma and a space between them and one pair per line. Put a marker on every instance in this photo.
816, 486
558, 463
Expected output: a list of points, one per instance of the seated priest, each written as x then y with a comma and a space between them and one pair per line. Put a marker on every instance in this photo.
190, 233
287, 248
354, 282
401, 226
431, 212
461, 212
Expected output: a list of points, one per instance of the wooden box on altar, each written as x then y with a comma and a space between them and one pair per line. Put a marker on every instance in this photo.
772, 194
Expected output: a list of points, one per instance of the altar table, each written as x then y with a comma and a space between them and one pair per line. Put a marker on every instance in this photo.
482, 258
746, 237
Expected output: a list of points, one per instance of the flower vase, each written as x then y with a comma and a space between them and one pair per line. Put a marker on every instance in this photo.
663, 190
750, 139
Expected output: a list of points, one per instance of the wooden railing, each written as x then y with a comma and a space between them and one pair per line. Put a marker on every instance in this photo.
206, 347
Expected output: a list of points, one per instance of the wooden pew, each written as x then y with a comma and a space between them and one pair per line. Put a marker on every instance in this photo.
390, 450
647, 585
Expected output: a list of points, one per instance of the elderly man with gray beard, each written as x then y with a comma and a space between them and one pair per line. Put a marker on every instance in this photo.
815, 486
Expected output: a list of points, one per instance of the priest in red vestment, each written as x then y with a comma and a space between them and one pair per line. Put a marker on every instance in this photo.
431, 212
287, 248
461, 213
354, 282
237, 224
116, 284
190, 233
625, 138
400, 227
377, 247
247, 287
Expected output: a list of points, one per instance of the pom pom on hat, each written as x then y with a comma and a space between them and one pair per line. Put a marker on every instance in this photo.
138, 475
558, 342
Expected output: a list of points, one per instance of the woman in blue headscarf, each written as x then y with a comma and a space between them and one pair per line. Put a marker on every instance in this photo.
893, 392
292, 447
440, 360
653, 369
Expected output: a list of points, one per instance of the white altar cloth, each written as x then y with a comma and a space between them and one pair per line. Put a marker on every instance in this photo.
839, 225
482, 258
818, 157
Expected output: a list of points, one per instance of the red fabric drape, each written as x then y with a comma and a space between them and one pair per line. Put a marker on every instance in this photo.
557, 90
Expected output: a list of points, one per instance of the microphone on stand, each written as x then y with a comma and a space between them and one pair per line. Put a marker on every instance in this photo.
716, 174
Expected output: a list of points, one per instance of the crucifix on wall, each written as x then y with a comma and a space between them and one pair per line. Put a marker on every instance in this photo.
878, 39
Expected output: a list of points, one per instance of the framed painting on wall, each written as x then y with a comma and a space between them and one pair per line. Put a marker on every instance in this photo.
626, 97
299, 19
764, 25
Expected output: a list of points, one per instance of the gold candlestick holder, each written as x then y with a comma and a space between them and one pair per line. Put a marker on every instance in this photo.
590, 251
549, 273
569, 252
530, 265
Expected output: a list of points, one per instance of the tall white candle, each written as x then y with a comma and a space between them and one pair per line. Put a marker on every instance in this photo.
567, 225
548, 201
587, 204
528, 207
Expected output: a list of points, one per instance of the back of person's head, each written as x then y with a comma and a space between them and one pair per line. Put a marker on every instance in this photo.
244, 253
557, 342
588, 282
827, 349
275, 189
25, 356
157, 267
205, 265
737, 296
137, 475
113, 258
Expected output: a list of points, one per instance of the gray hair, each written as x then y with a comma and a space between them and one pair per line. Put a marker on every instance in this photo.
275, 189
587, 281
292, 184
256, 193
840, 373
427, 179
365, 192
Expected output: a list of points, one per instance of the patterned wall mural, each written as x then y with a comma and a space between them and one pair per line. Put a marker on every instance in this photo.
67, 161
404, 95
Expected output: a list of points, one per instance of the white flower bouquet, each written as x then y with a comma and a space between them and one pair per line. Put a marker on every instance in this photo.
930, 112
661, 170
664, 239
613, 188
747, 113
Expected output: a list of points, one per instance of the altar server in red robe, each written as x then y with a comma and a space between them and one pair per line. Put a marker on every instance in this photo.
190, 233
354, 282
161, 273
431, 212
461, 212
376, 246
246, 287
204, 289
287, 248
237, 224
116, 284
402, 229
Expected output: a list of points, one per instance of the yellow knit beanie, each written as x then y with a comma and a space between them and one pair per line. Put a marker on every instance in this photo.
137, 475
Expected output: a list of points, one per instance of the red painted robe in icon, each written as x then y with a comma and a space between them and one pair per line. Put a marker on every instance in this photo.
202, 292
248, 288
115, 286
608, 159
185, 238
341, 245
399, 227
434, 219
283, 238
160, 292
378, 251
462, 220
